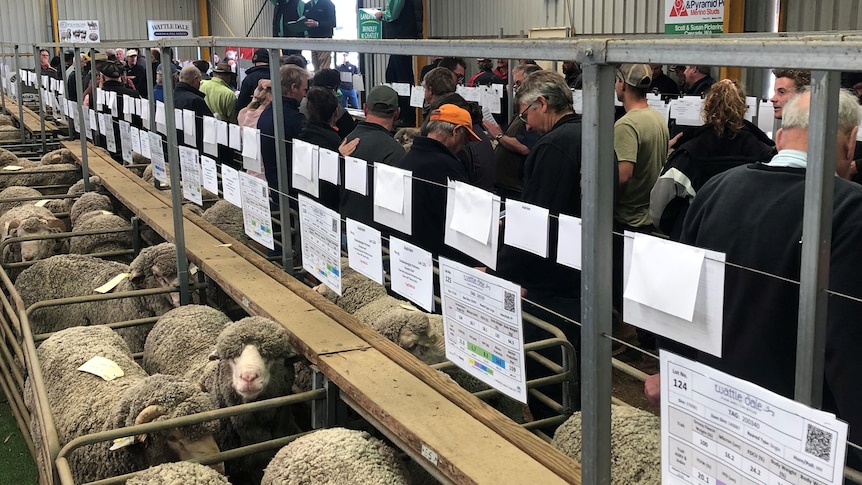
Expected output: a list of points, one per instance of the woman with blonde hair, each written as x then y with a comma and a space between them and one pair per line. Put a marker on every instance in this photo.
261, 98
725, 140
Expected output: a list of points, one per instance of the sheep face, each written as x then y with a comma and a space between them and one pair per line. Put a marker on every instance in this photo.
36, 249
250, 372
183, 448
168, 282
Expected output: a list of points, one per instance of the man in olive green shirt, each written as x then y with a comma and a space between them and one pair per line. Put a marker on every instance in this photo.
640, 143
220, 96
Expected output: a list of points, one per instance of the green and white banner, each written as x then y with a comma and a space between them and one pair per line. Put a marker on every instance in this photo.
693, 17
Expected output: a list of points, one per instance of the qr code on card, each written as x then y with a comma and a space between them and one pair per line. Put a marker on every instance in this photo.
508, 301
818, 442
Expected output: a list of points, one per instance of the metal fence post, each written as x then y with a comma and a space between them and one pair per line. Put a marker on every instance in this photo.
280, 156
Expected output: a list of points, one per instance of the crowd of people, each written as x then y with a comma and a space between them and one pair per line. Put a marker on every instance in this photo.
724, 186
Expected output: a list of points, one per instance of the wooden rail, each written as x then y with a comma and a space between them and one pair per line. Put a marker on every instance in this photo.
31, 120
472, 442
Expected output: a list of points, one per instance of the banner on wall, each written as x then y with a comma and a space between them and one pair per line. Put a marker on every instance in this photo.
369, 26
693, 17
81, 31
169, 29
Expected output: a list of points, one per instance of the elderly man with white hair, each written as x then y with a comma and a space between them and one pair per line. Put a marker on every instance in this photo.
753, 213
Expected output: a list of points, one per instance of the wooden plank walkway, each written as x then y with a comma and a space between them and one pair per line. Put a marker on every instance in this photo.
473, 442
31, 118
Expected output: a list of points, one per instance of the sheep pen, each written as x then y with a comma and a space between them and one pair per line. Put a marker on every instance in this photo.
84, 403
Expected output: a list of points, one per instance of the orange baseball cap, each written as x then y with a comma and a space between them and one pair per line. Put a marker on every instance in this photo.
454, 114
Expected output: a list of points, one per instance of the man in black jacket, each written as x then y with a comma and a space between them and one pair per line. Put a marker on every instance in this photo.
136, 72
188, 96
400, 22
260, 70
320, 21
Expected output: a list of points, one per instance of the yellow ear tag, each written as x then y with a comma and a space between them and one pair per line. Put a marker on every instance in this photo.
107, 369
122, 443
42, 202
12, 167
409, 307
110, 285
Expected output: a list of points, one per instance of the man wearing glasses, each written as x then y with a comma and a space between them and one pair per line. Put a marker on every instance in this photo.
552, 179
513, 145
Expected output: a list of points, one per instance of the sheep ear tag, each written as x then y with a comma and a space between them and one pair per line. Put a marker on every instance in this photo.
13, 168
41, 203
122, 443
107, 369
110, 285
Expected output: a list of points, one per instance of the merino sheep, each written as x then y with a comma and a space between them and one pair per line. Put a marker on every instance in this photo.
248, 360
89, 202
30, 220
9, 133
8, 158
48, 176
336, 455
179, 473
405, 137
105, 242
635, 444
77, 275
11, 197
83, 403
228, 218
61, 155
77, 189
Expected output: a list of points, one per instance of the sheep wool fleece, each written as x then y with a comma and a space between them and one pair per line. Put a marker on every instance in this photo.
179, 473
635, 444
336, 455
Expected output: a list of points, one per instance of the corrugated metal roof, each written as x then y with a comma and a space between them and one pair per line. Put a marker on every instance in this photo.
25, 22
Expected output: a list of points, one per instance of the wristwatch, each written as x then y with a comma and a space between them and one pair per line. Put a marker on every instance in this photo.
498, 137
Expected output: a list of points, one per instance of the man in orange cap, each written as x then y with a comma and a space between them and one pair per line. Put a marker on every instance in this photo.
432, 159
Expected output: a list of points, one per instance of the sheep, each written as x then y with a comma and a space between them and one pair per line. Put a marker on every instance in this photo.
5, 120
248, 360
77, 275
336, 455
635, 444
104, 242
179, 473
47, 176
30, 220
89, 202
11, 197
62, 155
228, 218
356, 289
405, 137
83, 403
7, 157
9, 133
77, 189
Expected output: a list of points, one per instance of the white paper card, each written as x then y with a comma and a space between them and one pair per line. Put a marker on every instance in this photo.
160, 170
389, 187
305, 158
412, 271
126, 143
209, 174
145, 145
230, 185
161, 121
222, 133
256, 215
716, 429
135, 135
209, 127
235, 136
251, 157
403, 89
328, 165
664, 275
485, 253
110, 136
417, 97
527, 227
189, 128
394, 186
303, 154
364, 250
703, 332
483, 327
570, 242
472, 216
190, 172
356, 175
686, 110
320, 236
